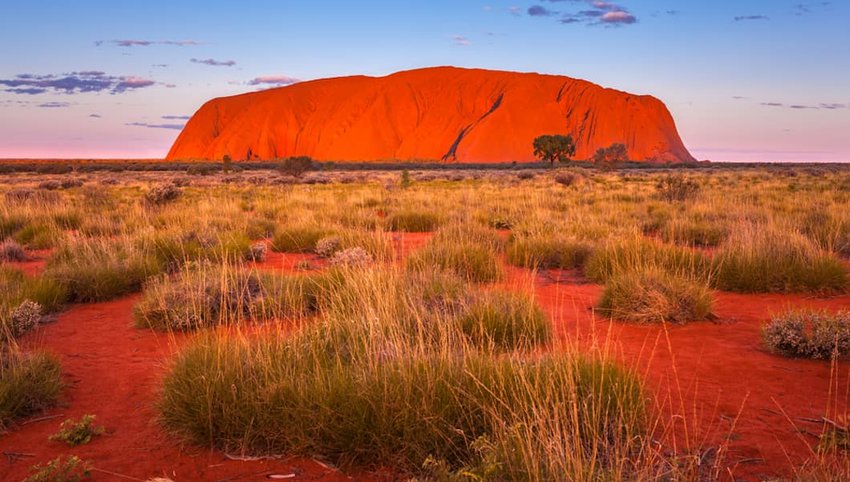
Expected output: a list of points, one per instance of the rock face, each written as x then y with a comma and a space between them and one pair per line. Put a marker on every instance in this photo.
442, 113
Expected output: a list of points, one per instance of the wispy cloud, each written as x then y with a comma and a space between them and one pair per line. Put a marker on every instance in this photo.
74, 83
215, 63
461, 40
595, 12
274, 80
176, 117
156, 126
147, 43
823, 105
833, 106
742, 18
54, 105
95, 116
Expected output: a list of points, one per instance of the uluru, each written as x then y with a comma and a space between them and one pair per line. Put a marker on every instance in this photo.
434, 114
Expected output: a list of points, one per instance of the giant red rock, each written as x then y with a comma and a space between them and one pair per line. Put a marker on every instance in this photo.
442, 113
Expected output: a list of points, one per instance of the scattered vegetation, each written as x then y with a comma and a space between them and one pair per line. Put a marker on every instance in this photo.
412, 221
69, 469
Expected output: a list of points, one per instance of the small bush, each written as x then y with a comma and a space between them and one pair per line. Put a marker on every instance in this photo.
548, 252
10, 250
24, 318
655, 296
295, 166
677, 187
71, 469
163, 194
469, 261
257, 252
351, 257
808, 334
29, 382
568, 178
327, 246
298, 239
412, 221
759, 259
80, 432
505, 320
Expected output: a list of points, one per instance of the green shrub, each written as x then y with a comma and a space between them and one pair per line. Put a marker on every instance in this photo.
470, 261
809, 334
80, 432
29, 382
412, 221
638, 253
505, 320
548, 252
764, 260
655, 296
71, 469
298, 239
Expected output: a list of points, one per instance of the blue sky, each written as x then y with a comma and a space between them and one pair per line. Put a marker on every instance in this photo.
745, 80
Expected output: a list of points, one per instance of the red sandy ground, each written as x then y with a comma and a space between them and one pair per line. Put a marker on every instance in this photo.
715, 373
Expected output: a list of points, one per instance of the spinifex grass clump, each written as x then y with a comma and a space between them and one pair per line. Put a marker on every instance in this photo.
224, 295
764, 259
17, 289
809, 334
388, 377
412, 221
502, 319
696, 231
466, 255
622, 256
99, 270
298, 238
547, 251
29, 382
652, 295
176, 248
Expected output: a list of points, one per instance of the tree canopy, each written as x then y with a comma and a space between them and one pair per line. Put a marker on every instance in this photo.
553, 148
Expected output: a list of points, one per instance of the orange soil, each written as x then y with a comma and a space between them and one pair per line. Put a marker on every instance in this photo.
710, 371
441, 113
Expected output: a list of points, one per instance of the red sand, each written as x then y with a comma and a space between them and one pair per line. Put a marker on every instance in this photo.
708, 371
441, 113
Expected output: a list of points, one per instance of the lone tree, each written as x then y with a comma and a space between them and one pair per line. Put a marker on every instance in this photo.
608, 156
553, 148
